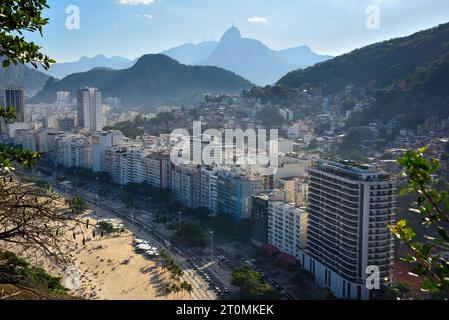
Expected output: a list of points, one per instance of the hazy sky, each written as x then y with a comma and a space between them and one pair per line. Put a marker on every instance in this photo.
131, 28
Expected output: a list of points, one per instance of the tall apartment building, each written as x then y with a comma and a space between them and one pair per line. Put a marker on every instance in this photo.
72, 150
15, 97
124, 163
209, 193
259, 214
100, 143
350, 208
157, 170
25, 138
234, 194
64, 123
287, 228
186, 185
90, 114
62, 98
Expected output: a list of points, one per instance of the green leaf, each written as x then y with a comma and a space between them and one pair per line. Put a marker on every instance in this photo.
429, 285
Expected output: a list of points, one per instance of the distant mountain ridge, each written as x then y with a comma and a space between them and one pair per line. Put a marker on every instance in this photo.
192, 54
32, 80
249, 58
62, 70
154, 79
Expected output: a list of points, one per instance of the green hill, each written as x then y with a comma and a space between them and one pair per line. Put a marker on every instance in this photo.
406, 76
154, 79
31, 79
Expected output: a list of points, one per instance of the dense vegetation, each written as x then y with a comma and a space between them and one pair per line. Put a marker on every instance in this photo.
78, 205
407, 76
252, 285
432, 206
16, 271
162, 123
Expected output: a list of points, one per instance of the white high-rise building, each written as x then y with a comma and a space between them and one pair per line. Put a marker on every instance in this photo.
287, 228
157, 170
124, 163
90, 111
209, 192
72, 150
62, 98
100, 143
350, 208
186, 185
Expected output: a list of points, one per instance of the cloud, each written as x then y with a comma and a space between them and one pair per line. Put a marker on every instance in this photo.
258, 20
134, 2
144, 16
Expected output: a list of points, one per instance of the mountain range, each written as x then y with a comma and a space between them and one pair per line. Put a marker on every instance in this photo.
192, 54
408, 76
62, 70
249, 58
154, 79
32, 80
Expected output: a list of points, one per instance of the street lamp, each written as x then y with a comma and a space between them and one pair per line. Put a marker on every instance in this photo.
98, 197
211, 246
179, 225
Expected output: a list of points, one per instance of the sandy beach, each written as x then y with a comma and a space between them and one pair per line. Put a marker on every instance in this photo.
108, 268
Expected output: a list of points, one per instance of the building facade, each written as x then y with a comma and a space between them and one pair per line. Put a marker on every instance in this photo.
350, 208
15, 97
287, 228
234, 194
186, 185
90, 115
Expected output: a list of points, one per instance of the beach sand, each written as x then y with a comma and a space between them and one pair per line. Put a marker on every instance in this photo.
109, 269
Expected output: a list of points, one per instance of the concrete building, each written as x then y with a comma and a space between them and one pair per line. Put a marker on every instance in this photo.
287, 228
124, 163
287, 114
100, 143
12, 127
90, 111
209, 192
64, 123
259, 214
72, 150
234, 194
280, 146
26, 139
186, 185
157, 170
350, 208
15, 97
62, 98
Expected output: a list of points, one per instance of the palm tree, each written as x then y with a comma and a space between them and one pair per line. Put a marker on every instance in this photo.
188, 288
168, 290
176, 289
